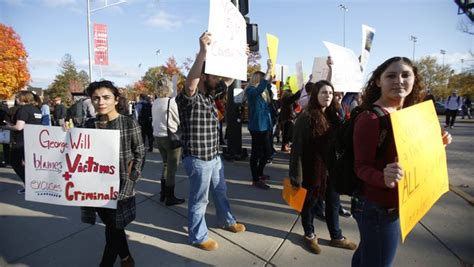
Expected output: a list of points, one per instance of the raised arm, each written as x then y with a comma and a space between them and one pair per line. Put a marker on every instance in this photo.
194, 75
329, 62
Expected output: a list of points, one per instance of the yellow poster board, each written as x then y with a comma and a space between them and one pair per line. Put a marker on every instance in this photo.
293, 82
272, 48
293, 197
422, 155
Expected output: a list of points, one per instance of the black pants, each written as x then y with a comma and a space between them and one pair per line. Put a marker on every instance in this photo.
17, 158
115, 238
147, 133
261, 152
287, 133
451, 117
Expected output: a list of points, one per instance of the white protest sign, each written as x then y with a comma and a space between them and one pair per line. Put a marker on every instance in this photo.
299, 74
79, 167
281, 72
346, 73
320, 69
226, 55
367, 40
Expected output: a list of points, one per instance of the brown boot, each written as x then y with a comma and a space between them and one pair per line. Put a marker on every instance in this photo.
209, 245
128, 262
343, 243
312, 243
235, 228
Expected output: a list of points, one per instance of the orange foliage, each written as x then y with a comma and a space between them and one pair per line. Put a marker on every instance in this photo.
171, 67
14, 73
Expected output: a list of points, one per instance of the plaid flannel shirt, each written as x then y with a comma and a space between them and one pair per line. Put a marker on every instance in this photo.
199, 125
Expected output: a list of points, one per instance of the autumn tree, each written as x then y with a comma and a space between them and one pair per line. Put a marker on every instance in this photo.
435, 76
253, 65
14, 73
463, 83
68, 81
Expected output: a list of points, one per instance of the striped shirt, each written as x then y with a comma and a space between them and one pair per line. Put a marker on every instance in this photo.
199, 125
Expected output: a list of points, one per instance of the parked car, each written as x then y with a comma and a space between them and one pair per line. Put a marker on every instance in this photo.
440, 108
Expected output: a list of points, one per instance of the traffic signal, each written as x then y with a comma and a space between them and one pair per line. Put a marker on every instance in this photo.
244, 7
252, 37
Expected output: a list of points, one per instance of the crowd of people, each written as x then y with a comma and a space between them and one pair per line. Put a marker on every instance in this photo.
188, 129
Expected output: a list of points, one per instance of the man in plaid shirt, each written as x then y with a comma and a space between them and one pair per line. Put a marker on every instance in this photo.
200, 138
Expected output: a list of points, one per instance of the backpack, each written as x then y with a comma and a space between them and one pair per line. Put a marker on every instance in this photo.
77, 113
145, 113
341, 152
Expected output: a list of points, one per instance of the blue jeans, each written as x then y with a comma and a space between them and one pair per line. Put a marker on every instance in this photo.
205, 175
333, 203
379, 230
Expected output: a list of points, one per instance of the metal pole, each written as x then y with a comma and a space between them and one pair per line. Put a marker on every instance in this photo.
344, 10
89, 39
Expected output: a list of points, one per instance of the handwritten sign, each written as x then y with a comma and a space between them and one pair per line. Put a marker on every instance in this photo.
320, 69
299, 74
227, 54
423, 158
272, 47
79, 167
346, 73
368, 34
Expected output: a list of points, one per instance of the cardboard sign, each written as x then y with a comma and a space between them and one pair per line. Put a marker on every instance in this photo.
346, 72
422, 155
79, 167
320, 69
367, 40
293, 197
226, 55
272, 47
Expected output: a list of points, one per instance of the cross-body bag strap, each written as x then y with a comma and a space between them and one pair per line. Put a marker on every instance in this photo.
168, 113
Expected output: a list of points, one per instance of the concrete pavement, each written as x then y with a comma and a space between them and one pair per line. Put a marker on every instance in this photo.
36, 234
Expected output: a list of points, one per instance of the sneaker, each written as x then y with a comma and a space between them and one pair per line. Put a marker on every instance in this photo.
343, 243
451, 127
21, 191
312, 243
344, 213
261, 184
235, 228
208, 245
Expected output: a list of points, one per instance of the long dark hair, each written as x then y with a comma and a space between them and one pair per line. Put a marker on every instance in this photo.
372, 92
321, 121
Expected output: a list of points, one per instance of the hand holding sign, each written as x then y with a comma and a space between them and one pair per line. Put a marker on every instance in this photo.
205, 41
392, 174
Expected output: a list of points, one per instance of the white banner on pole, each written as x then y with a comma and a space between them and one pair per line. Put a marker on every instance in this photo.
281, 72
320, 69
299, 74
79, 167
346, 74
367, 40
227, 56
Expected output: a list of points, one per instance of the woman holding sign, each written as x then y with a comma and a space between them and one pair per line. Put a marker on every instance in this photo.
312, 133
394, 85
105, 98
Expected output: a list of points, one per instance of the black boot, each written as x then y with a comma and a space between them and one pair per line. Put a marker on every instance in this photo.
163, 190
170, 198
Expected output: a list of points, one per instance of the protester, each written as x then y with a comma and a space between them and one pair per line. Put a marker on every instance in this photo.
77, 112
287, 117
220, 105
165, 116
198, 117
466, 107
259, 97
4, 118
45, 112
59, 112
105, 97
393, 85
453, 104
144, 117
27, 113
312, 133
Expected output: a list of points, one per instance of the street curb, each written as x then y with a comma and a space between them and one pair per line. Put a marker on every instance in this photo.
462, 194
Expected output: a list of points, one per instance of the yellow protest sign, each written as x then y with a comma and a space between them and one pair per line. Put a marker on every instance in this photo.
294, 197
423, 158
272, 48
293, 82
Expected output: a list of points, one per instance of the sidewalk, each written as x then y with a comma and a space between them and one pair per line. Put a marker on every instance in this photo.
36, 234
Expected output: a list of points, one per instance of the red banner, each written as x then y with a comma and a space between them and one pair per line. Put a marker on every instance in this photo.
100, 44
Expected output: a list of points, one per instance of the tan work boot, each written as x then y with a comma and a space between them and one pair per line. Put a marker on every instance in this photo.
312, 243
235, 228
209, 245
343, 243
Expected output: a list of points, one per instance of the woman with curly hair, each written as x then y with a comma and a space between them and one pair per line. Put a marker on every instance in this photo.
394, 85
308, 168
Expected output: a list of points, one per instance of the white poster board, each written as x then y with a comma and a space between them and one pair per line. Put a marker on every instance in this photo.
299, 74
346, 73
79, 167
367, 40
226, 55
281, 72
320, 69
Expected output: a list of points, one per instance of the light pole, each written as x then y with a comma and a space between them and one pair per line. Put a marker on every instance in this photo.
443, 52
89, 11
462, 64
413, 39
344, 9
158, 52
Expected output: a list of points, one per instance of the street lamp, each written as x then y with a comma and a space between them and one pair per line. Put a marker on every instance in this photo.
443, 52
462, 64
158, 52
89, 11
413, 39
344, 9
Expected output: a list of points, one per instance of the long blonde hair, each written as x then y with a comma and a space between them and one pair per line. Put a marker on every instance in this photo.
255, 80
